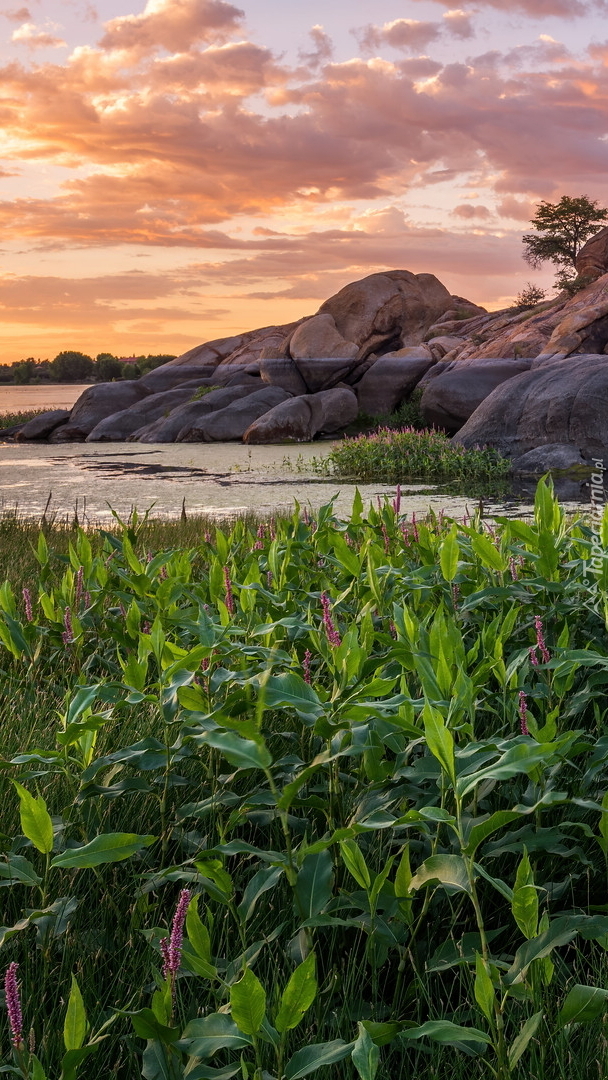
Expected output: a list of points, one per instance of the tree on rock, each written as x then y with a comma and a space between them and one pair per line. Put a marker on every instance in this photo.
561, 230
70, 366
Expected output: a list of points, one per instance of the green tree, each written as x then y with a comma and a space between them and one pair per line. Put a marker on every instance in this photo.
24, 371
561, 230
108, 367
71, 366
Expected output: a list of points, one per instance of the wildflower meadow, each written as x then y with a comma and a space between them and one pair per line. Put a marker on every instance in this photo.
307, 797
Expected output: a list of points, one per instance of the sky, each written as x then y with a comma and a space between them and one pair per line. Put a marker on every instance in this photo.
177, 171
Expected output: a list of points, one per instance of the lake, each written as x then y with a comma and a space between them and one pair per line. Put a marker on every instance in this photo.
52, 396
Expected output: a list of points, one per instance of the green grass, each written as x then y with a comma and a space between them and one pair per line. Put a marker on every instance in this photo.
8, 420
392, 456
318, 723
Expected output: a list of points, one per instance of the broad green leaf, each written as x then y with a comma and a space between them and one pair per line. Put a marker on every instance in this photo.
155, 1064
73, 1059
198, 934
207, 1072
106, 848
35, 820
313, 887
524, 905
478, 833
483, 988
439, 740
248, 1003
311, 1058
560, 932
487, 553
448, 870
147, 1025
260, 883
443, 1031
521, 1041
448, 555
36, 1070
298, 995
582, 1004
242, 753
365, 1055
18, 869
353, 859
203, 1037
75, 1023
403, 877
289, 690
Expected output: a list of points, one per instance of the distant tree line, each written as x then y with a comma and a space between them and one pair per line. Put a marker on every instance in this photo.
70, 366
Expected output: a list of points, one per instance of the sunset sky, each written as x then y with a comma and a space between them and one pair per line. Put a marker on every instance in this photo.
180, 170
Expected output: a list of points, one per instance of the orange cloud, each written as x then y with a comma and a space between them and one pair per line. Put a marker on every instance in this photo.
172, 25
31, 35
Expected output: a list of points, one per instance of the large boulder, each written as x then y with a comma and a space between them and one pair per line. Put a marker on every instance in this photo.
167, 377
281, 371
41, 426
391, 379
226, 425
301, 418
318, 336
449, 400
557, 456
323, 372
95, 404
388, 310
167, 428
592, 259
565, 401
120, 425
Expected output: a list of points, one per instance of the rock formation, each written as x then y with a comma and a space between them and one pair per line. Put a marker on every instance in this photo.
531, 383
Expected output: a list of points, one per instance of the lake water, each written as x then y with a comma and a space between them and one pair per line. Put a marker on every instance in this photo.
53, 396
223, 479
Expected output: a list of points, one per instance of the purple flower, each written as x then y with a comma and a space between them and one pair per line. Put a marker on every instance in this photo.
27, 600
68, 635
228, 587
513, 569
330, 630
87, 599
269, 579
414, 527
13, 1005
540, 639
306, 666
171, 947
533, 656
455, 594
78, 584
397, 500
386, 539
523, 713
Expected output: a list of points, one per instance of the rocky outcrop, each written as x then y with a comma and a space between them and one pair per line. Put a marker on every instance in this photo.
94, 405
226, 425
169, 426
41, 426
389, 381
449, 400
561, 401
592, 259
303, 417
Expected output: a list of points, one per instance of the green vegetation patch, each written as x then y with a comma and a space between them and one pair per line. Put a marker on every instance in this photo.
313, 796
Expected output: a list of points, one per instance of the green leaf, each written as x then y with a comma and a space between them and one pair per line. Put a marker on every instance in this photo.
18, 869
289, 690
73, 1059
484, 990
313, 887
75, 1023
311, 1058
106, 848
478, 833
147, 1025
203, 1037
524, 904
365, 1055
36, 1070
154, 1065
487, 553
198, 934
443, 1031
353, 859
35, 820
248, 1003
439, 740
448, 555
260, 883
521, 1041
242, 753
298, 995
560, 932
448, 870
582, 1004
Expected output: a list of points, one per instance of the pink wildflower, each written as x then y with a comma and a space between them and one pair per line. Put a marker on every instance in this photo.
397, 500
330, 630
523, 713
78, 583
533, 656
171, 947
269, 579
306, 666
229, 599
385, 535
87, 599
27, 600
455, 594
414, 527
68, 635
13, 1005
513, 569
540, 639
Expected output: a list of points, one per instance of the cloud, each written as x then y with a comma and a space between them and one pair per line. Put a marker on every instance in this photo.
515, 209
459, 23
467, 211
172, 25
322, 51
34, 38
566, 9
405, 34
19, 15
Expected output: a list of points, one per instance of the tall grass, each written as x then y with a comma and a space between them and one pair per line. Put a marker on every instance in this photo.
368, 755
